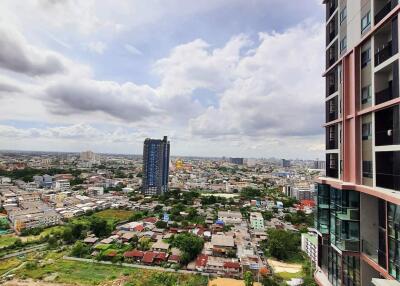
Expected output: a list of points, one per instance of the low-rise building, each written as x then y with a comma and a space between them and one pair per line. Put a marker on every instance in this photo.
309, 244
230, 217
256, 220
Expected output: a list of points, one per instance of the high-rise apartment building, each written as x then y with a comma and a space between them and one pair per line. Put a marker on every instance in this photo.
155, 166
358, 202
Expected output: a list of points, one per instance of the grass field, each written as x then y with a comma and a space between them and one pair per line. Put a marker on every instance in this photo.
81, 273
6, 265
288, 276
115, 215
7, 240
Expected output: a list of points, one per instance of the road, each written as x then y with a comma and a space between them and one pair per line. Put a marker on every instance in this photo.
134, 265
24, 251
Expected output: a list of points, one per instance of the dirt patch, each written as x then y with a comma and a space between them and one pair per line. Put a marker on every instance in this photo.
279, 266
29, 282
228, 282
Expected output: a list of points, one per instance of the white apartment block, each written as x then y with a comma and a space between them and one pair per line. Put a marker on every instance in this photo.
256, 221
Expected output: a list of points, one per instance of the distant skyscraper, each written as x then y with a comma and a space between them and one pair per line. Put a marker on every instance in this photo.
155, 166
237, 161
285, 163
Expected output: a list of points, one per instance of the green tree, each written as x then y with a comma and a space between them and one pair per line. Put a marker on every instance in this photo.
248, 278
190, 244
99, 227
136, 216
67, 235
282, 244
80, 249
161, 224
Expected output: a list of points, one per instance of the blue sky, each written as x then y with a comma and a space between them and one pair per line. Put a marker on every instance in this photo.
219, 77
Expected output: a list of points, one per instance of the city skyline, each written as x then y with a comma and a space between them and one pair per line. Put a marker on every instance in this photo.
104, 81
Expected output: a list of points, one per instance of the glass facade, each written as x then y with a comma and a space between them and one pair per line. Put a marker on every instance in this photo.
345, 219
393, 220
334, 267
351, 271
322, 208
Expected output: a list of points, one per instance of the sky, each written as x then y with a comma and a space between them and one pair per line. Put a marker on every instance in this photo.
236, 78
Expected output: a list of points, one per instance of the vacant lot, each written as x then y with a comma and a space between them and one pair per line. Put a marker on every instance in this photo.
116, 215
81, 273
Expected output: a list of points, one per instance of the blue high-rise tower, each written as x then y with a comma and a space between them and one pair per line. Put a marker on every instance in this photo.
155, 166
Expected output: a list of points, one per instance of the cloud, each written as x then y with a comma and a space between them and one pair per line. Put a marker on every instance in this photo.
133, 50
275, 90
8, 87
18, 56
128, 101
97, 47
69, 132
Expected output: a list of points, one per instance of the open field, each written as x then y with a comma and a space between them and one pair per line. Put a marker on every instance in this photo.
279, 266
114, 214
7, 240
8, 264
81, 273
228, 282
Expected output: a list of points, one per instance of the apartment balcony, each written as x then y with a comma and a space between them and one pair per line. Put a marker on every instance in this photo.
332, 169
384, 95
384, 53
330, 8
331, 83
387, 83
332, 89
387, 127
332, 109
347, 214
331, 36
331, 116
332, 54
384, 10
388, 170
348, 244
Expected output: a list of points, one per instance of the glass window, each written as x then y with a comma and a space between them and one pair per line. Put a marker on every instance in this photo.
343, 14
343, 44
366, 22
366, 131
366, 94
365, 57
367, 169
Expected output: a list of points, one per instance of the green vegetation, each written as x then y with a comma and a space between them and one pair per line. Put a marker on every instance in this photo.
190, 245
283, 245
81, 273
9, 264
7, 240
248, 278
300, 218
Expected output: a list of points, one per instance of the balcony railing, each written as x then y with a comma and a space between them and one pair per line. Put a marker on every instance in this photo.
384, 53
332, 172
332, 89
383, 95
332, 35
384, 11
348, 214
332, 144
351, 244
332, 116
